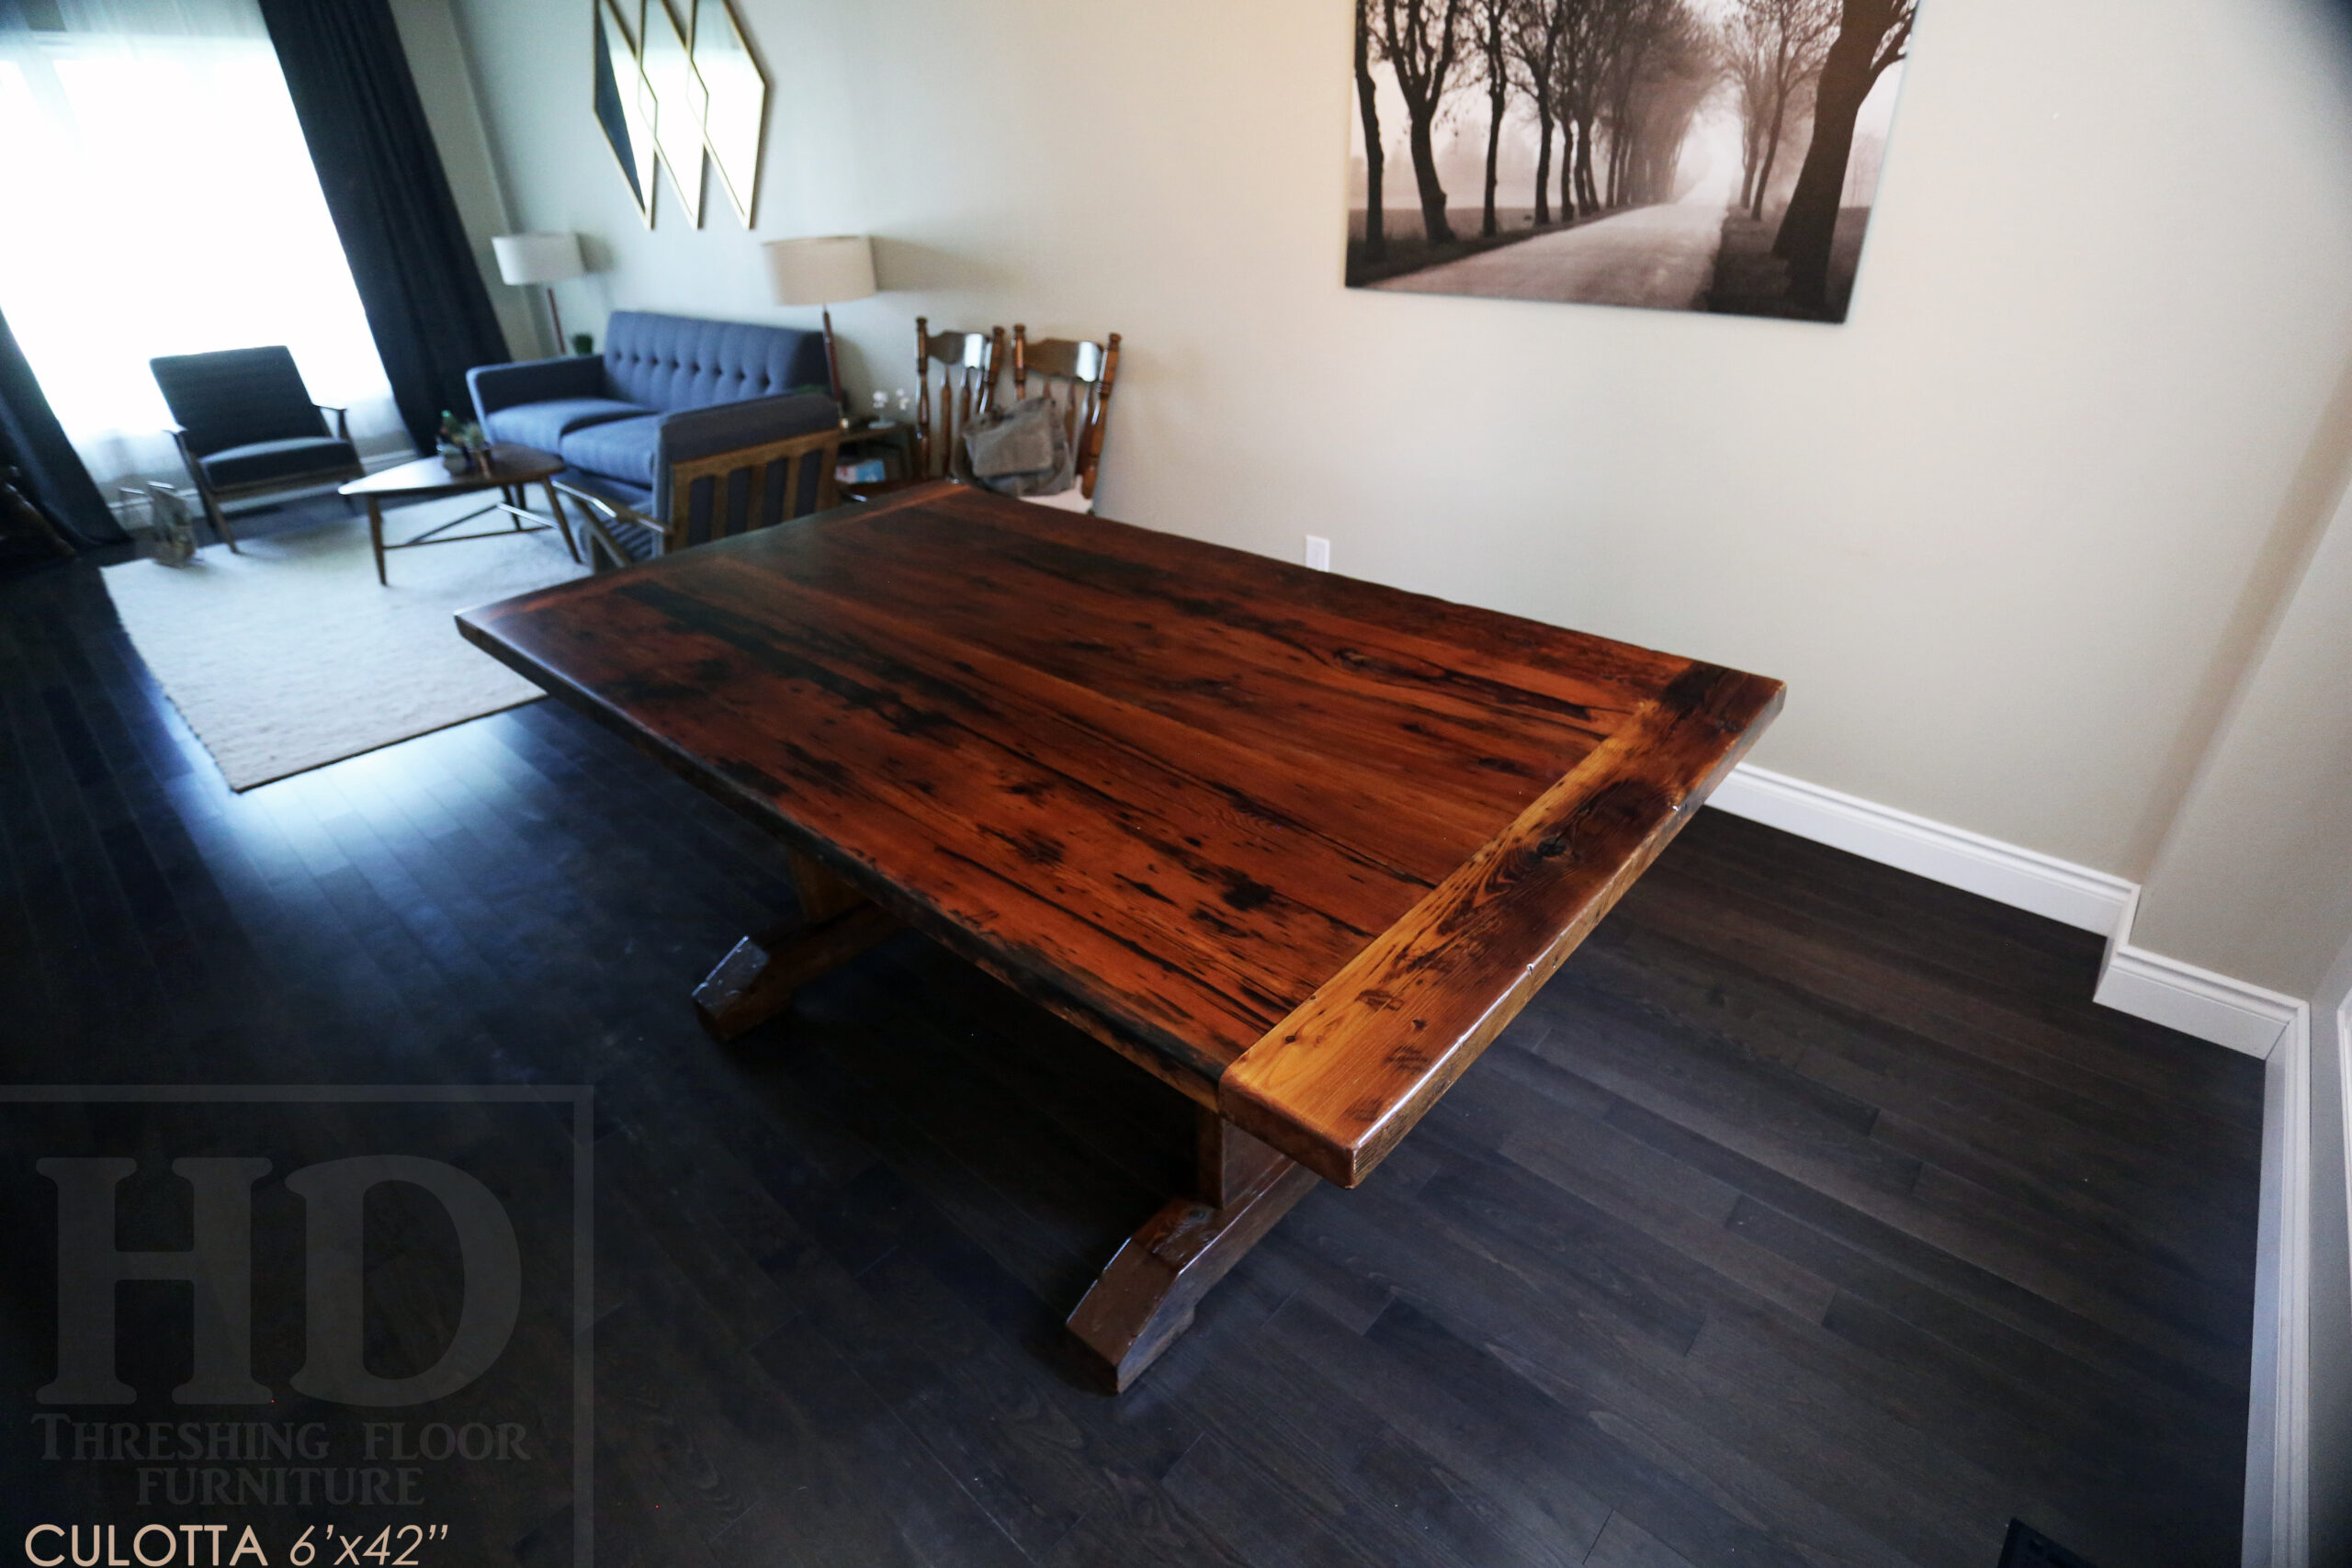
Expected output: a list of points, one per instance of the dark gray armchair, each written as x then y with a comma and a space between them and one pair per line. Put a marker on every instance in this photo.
247, 427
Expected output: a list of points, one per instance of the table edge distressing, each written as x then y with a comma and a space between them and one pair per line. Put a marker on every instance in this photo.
764, 814
1338, 1083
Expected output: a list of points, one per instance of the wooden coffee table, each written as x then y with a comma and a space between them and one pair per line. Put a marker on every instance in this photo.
511, 468
1295, 845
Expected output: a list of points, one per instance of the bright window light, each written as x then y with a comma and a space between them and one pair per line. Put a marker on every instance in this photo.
163, 201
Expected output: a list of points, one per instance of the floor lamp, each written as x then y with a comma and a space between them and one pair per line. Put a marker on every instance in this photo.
827, 271
542, 259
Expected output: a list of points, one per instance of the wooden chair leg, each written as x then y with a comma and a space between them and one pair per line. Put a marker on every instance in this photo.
216, 517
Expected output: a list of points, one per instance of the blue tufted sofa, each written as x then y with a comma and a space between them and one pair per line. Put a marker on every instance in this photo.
665, 387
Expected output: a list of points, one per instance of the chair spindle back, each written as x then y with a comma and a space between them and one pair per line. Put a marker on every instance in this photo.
968, 370
1078, 378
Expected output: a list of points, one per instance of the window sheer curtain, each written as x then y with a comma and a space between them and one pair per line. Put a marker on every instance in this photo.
162, 200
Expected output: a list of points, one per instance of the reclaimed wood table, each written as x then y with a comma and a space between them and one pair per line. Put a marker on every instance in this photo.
509, 471
1296, 845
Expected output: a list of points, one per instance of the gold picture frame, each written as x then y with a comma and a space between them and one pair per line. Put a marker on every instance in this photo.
735, 101
622, 102
682, 88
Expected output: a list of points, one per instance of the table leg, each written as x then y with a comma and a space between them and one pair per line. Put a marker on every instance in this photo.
756, 979
376, 539
555, 505
1145, 1298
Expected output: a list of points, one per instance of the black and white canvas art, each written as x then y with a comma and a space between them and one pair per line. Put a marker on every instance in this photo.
1678, 154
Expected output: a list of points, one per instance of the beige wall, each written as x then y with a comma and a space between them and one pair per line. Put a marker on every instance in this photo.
445, 85
2011, 536
2255, 880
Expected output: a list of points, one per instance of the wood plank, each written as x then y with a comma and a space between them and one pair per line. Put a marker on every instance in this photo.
1238, 666
1339, 1082
860, 683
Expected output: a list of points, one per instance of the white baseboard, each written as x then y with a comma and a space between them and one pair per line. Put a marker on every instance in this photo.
2024, 879
2147, 985
2277, 1532
2196, 1001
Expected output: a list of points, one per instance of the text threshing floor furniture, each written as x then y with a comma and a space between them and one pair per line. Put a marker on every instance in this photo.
1298, 845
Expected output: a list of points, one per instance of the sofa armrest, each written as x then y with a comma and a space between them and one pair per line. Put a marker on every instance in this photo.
496, 386
723, 427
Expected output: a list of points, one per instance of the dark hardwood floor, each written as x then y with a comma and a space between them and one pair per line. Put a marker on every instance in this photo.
1811, 1215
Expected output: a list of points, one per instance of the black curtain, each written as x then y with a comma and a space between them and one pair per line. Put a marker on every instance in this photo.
33, 442
426, 306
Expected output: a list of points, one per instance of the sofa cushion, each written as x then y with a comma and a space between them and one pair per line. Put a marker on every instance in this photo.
625, 449
678, 362
259, 462
496, 386
543, 426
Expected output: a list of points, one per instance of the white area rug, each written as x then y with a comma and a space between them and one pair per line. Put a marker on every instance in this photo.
290, 656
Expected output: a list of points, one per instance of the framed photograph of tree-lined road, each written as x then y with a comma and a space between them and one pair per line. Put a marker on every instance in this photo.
1717, 155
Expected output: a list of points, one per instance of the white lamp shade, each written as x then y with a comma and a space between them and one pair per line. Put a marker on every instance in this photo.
538, 258
824, 271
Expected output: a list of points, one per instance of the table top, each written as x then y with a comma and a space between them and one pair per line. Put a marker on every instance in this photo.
1299, 844
509, 465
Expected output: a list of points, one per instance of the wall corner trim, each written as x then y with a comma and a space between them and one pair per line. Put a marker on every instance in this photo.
2196, 1001
2277, 1532
2024, 879
2215, 1008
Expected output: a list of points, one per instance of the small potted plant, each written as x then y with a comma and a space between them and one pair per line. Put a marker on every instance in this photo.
452, 452
463, 448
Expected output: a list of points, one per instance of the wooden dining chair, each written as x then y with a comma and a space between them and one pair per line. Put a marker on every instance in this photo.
1077, 377
969, 364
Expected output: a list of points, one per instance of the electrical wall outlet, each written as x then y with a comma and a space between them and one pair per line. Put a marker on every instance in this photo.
1318, 552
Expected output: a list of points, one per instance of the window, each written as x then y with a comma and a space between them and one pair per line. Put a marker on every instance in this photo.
161, 201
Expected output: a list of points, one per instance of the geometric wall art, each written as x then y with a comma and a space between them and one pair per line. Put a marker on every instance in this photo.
675, 85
